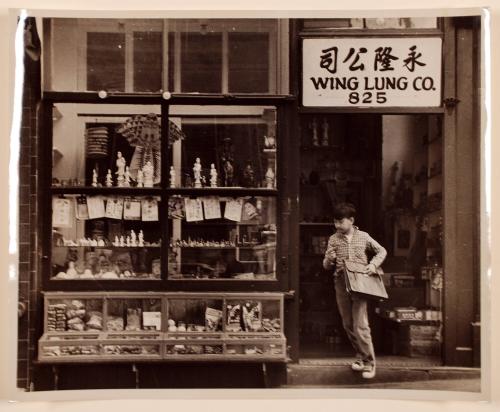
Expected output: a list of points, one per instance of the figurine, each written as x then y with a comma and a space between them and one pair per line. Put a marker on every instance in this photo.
140, 178
141, 238
109, 179
172, 176
120, 164
314, 126
248, 176
128, 241
197, 173
270, 178
94, 178
126, 177
148, 171
228, 173
116, 242
71, 269
133, 238
269, 142
325, 141
213, 176
122, 241
100, 242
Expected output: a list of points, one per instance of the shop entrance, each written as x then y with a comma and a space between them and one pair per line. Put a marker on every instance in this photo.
390, 167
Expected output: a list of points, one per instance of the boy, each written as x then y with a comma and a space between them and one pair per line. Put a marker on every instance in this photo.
350, 243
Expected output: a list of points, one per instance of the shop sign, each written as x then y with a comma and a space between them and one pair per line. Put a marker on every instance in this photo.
371, 72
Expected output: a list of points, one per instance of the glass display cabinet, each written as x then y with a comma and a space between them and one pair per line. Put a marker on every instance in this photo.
125, 326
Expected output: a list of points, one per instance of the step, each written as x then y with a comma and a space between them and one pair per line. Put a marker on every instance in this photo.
304, 375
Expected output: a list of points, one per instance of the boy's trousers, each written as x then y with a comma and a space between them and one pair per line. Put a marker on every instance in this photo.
354, 313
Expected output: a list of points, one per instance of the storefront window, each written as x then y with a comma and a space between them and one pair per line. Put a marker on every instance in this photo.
216, 235
131, 55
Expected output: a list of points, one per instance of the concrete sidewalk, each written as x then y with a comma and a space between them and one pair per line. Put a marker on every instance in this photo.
337, 373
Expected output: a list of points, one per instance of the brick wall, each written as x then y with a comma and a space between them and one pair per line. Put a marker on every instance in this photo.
28, 255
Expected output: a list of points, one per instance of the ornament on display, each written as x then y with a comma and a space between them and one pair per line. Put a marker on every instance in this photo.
94, 178
100, 242
325, 141
270, 178
71, 269
213, 176
148, 171
141, 238
128, 241
122, 241
228, 173
140, 178
248, 176
314, 126
269, 142
120, 164
126, 181
116, 242
172, 176
109, 179
133, 239
197, 173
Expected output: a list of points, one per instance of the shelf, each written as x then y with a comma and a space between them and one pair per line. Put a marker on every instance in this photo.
222, 191
316, 224
215, 223
319, 148
111, 247
89, 190
259, 246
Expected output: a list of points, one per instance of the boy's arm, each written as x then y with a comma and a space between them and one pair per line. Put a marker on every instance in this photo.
330, 255
379, 250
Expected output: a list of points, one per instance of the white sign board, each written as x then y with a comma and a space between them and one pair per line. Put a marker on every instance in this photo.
368, 72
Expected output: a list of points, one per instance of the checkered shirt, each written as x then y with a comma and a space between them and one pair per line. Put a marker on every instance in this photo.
339, 248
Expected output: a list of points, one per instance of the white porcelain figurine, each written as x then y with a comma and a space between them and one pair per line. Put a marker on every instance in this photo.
120, 164
148, 171
109, 179
197, 172
213, 176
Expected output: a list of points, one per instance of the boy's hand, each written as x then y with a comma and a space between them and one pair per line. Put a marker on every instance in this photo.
371, 269
328, 264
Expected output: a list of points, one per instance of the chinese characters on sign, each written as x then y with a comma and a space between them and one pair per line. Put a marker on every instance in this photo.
397, 72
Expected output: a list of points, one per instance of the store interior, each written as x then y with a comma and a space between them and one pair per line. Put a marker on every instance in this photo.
389, 166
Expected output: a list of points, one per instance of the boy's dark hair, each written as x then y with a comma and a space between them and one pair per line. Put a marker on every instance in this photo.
344, 210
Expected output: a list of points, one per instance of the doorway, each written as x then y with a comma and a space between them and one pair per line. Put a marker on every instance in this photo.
390, 167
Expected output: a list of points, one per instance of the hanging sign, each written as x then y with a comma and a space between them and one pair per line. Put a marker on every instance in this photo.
371, 72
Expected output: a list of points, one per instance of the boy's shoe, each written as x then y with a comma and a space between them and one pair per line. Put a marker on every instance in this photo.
368, 371
357, 365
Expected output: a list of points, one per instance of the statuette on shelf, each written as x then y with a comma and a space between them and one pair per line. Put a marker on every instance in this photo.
197, 173
213, 176
94, 178
140, 178
109, 179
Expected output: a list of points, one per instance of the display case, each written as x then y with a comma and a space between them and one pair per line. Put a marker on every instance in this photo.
125, 326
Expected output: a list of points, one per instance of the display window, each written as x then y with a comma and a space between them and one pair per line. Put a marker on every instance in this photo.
152, 55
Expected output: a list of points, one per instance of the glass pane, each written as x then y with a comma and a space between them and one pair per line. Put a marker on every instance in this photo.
186, 317
105, 237
253, 316
233, 149
133, 315
249, 62
148, 61
106, 61
231, 238
74, 315
201, 62
106, 145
